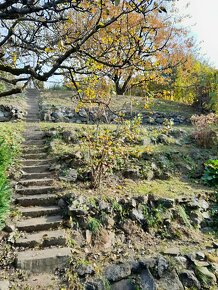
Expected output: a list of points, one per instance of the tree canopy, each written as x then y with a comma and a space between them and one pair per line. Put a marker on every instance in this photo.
131, 51
35, 42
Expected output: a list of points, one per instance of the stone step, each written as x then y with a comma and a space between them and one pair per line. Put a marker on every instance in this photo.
42, 239
32, 116
34, 149
37, 211
35, 136
34, 155
32, 113
37, 200
33, 190
34, 162
36, 182
40, 223
36, 169
39, 176
32, 120
33, 106
34, 142
43, 261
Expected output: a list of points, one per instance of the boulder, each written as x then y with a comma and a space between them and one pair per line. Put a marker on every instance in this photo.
117, 272
57, 116
83, 270
166, 202
172, 251
170, 281
132, 173
147, 281
95, 285
82, 113
125, 284
69, 136
189, 279
137, 214
162, 266
71, 175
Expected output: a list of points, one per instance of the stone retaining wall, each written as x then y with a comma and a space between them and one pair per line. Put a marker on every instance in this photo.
9, 113
86, 116
170, 268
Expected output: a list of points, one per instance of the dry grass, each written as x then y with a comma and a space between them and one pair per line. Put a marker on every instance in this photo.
18, 101
128, 103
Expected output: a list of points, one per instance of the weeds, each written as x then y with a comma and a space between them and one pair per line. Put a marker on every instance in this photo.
204, 133
183, 215
154, 216
93, 225
210, 176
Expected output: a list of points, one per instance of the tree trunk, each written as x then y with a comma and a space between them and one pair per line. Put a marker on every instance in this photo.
120, 90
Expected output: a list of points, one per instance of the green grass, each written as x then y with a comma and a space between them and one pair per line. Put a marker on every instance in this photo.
174, 187
10, 145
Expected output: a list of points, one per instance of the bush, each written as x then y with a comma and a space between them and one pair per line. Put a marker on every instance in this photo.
4, 187
205, 134
10, 140
210, 176
5, 195
108, 149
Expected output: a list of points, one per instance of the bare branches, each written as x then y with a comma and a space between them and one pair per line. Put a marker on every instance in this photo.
42, 38
11, 92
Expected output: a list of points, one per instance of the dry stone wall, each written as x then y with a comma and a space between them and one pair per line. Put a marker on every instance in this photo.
85, 116
9, 113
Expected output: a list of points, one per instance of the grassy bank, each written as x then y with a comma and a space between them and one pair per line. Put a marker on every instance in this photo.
162, 161
10, 144
128, 103
18, 101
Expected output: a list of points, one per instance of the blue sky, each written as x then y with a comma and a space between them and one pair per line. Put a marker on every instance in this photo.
203, 24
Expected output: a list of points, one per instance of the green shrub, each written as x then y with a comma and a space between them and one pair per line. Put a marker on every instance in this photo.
210, 176
5, 195
154, 215
93, 225
10, 140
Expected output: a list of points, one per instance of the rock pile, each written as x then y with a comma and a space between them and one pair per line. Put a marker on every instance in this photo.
9, 113
160, 272
90, 116
146, 211
120, 227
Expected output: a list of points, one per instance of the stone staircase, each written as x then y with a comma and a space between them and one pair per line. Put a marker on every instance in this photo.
41, 243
